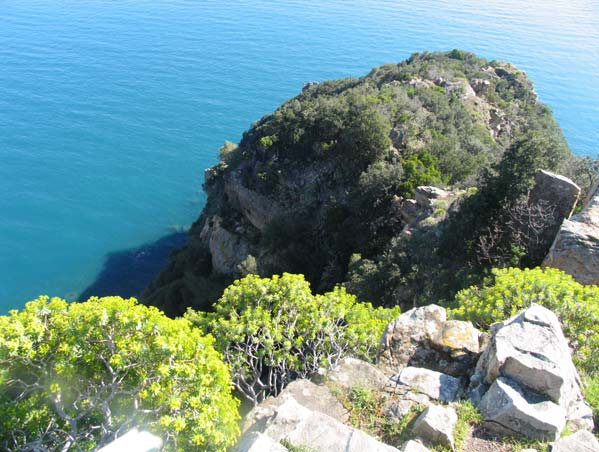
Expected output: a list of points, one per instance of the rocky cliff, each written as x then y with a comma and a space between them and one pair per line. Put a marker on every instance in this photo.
324, 186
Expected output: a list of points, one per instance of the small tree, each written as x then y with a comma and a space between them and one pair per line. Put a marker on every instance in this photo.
273, 330
75, 376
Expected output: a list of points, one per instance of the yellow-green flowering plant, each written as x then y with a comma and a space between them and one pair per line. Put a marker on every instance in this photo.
510, 290
274, 330
75, 376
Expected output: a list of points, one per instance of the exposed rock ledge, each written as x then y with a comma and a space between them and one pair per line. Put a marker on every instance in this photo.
576, 246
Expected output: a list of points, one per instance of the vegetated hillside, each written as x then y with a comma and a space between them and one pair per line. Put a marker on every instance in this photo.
318, 186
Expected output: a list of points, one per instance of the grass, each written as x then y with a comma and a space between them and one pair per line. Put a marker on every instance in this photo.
366, 412
468, 417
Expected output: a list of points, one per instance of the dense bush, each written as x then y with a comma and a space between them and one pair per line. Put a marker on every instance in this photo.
74, 376
274, 330
510, 290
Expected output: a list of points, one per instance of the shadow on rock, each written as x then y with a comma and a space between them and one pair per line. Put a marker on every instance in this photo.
127, 273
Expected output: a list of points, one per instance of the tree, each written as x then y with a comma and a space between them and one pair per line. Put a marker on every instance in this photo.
273, 331
75, 376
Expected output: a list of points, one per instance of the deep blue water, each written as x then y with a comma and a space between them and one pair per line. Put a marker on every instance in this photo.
111, 109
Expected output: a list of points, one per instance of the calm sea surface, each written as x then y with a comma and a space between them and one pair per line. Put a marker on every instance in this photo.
111, 109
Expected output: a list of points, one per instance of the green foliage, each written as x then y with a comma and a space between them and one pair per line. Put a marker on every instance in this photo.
468, 417
511, 290
590, 383
274, 330
419, 169
75, 375
366, 406
495, 227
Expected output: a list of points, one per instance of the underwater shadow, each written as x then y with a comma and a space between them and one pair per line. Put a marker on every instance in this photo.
127, 273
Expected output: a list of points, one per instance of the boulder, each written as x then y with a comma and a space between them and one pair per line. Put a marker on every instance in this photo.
435, 385
352, 372
556, 191
313, 397
575, 249
422, 337
414, 446
258, 442
509, 410
581, 441
435, 426
314, 430
531, 350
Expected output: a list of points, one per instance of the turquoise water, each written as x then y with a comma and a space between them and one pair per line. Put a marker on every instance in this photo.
111, 109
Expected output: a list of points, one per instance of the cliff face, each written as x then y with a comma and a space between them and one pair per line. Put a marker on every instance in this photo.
328, 174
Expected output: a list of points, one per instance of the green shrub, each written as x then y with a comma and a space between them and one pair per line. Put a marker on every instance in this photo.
511, 290
73, 376
419, 169
274, 330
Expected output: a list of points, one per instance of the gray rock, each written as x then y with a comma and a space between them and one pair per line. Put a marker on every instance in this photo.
422, 337
258, 209
227, 248
414, 446
435, 426
313, 397
581, 441
352, 372
557, 191
425, 194
311, 429
398, 409
508, 409
258, 442
435, 385
576, 246
580, 417
530, 349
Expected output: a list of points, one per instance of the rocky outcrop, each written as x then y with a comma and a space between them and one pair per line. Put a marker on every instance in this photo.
556, 191
414, 446
423, 337
435, 426
535, 387
303, 192
576, 246
510, 410
434, 385
259, 442
227, 248
524, 384
352, 372
582, 441
311, 396
314, 430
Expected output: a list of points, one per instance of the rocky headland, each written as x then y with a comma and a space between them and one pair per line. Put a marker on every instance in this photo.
398, 185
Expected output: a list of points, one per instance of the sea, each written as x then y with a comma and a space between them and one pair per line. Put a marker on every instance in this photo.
110, 110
